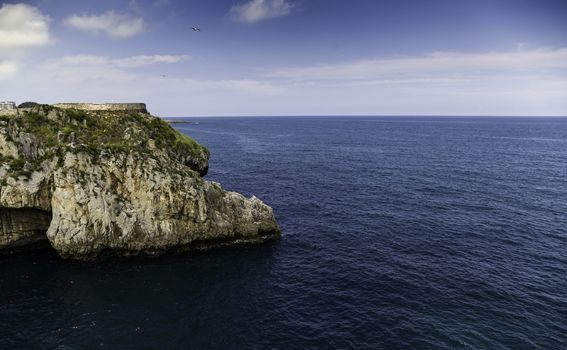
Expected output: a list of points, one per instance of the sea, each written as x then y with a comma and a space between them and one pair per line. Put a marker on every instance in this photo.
398, 233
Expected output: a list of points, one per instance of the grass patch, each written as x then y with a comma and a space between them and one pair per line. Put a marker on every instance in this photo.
92, 132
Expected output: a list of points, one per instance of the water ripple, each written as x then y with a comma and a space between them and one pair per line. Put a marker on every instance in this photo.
432, 233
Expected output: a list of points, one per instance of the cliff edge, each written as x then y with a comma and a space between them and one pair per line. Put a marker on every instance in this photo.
114, 181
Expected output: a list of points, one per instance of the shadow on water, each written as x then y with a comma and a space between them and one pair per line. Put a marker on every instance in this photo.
135, 302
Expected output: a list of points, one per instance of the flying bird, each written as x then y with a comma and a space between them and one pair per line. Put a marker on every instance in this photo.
196, 29
163, 75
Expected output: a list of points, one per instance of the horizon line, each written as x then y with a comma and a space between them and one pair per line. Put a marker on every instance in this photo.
369, 115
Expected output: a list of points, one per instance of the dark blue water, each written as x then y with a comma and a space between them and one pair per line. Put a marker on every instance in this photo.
399, 233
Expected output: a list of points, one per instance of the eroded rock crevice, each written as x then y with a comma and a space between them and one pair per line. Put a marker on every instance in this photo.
23, 228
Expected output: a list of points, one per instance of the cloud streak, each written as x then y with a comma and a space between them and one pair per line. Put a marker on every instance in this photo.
22, 26
124, 62
437, 65
99, 70
135, 78
528, 82
522, 82
259, 10
114, 25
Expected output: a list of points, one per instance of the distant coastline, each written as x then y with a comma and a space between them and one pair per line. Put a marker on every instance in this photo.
172, 121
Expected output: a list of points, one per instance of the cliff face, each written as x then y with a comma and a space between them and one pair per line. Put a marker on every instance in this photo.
114, 182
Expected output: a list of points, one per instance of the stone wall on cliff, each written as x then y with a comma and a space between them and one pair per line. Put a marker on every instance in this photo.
132, 107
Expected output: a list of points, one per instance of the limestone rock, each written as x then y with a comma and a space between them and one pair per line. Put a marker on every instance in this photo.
117, 183
22, 228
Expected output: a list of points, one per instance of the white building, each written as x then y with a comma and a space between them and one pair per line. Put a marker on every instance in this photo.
7, 105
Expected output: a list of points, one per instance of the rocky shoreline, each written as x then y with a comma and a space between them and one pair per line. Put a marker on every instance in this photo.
114, 181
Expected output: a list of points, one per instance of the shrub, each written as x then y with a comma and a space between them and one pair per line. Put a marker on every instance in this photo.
28, 105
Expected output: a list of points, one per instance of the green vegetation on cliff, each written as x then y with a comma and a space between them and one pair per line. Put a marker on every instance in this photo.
51, 132
110, 182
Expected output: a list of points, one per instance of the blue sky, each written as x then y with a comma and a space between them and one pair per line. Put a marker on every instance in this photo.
290, 57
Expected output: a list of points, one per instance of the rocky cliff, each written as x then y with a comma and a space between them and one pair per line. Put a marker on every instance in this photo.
114, 182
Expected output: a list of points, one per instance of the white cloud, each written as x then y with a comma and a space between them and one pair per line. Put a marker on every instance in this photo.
251, 86
111, 79
108, 62
530, 82
115, 25
521, 82
22, 26
439, 65
117, 70
8, 69
258, 10
144, 60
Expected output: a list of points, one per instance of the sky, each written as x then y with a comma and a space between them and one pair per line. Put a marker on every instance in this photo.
290, 57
